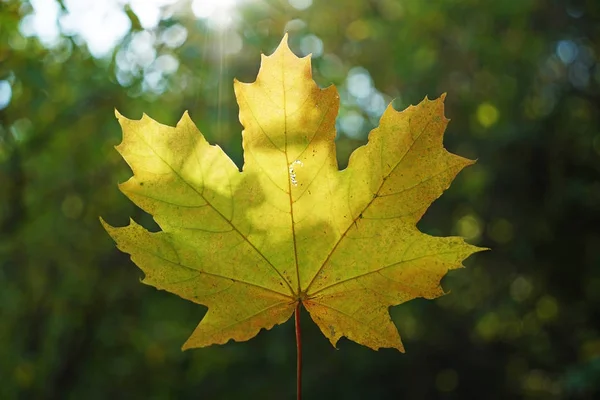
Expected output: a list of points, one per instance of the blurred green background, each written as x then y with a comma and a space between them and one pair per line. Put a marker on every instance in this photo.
522, 77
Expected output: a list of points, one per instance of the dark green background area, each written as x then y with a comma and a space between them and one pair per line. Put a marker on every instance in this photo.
521, 321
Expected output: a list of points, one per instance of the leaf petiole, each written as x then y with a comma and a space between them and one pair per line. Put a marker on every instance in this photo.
298, 353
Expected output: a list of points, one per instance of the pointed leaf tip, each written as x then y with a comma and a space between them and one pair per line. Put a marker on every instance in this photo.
102, 221
185, 118
283, 46
284, 39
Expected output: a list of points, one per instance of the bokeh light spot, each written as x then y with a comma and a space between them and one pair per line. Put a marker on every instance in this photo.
520, 289
567, 51
167, 64
487, 114
21, 128
294, 25
217, 12
469, 227
547, 308
375, 105
101, 24
232, 43
42, 22
579, 75
141, 49
488, 326
5, 94
358, 30
408, 325
311, 44
174, 36
300, 4
391, 9
360, 84
149, 11
352, 123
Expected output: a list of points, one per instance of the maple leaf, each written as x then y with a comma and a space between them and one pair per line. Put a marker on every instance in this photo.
290, 227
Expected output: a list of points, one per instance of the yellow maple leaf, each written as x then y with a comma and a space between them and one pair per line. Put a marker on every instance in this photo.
291, 228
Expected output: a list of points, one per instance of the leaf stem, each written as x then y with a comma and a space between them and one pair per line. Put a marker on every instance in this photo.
298, 353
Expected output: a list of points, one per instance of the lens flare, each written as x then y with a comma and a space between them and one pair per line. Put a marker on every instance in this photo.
219, 13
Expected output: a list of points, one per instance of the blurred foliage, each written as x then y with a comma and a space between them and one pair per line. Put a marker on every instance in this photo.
523, 80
